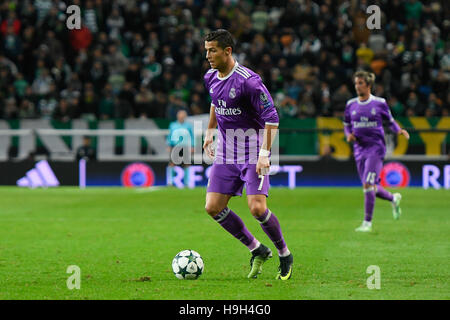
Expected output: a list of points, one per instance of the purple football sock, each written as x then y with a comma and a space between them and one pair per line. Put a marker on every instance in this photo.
271, 226
384, 194
369, 203
231, 222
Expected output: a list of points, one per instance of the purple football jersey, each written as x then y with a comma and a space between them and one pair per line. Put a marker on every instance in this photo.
365, 120
243, 106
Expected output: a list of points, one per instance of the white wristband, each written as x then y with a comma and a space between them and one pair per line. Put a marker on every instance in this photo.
264, 153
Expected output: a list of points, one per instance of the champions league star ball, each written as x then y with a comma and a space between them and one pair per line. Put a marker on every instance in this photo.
187, 264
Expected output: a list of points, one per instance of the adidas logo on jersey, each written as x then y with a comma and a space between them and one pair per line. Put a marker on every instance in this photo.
40, 176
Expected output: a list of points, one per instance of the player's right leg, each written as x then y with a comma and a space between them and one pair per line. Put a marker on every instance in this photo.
366, 226
216, 207
369, 204
368, 178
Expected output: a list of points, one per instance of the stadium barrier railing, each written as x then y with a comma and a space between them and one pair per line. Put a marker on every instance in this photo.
155, 148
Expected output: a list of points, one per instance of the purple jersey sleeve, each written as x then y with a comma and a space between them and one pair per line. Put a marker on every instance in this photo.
261, 100
347, 121
207, 79
386, 114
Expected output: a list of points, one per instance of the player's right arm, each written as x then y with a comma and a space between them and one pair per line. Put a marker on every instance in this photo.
209, 137
348, 125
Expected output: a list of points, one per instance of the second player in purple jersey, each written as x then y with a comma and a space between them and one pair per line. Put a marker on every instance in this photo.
365, 120
363, 125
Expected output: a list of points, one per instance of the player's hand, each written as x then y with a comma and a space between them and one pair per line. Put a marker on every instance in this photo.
405, 133
351, 138
263, 165
208, 145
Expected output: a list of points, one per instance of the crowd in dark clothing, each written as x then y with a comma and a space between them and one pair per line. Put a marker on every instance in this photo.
146, 58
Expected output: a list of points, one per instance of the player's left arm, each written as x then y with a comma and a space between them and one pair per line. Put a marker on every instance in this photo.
262, 102
348, 129
263, 165
393, 125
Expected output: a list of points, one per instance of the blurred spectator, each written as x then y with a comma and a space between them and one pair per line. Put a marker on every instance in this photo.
27, 109
114, 24
413, 105
89, 102
11, 44
288, 107
11, 111
63, 112
143, 102
413, 10
115, 60
107, 106
41, 85
11, 24
397, 108
20, 85
54, 46
47, 103
434, 106
126, 102
365, 53
175, 104
340, 99
86, 151
90, 17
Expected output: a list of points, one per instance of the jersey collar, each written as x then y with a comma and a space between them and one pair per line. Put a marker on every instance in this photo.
366, 101
236, 64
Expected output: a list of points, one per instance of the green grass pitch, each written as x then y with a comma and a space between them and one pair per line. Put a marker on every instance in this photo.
124, 241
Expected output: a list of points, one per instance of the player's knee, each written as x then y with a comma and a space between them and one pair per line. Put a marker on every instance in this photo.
212, 209
257, 208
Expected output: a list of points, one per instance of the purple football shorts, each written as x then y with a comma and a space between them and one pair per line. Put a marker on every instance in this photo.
231, 179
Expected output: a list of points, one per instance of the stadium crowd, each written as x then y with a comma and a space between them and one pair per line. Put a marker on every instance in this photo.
146, 58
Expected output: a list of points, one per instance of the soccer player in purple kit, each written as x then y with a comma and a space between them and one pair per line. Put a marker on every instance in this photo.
363, 125
241, 103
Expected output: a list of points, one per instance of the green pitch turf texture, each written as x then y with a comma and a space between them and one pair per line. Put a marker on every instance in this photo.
124, 241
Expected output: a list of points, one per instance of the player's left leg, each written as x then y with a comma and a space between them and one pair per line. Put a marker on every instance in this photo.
382, 193
257, 191
271, 226
393, 198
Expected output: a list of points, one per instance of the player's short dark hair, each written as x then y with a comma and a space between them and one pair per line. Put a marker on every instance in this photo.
223, 37
368, 77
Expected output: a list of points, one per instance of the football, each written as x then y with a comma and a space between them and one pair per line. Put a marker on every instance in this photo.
187, 264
